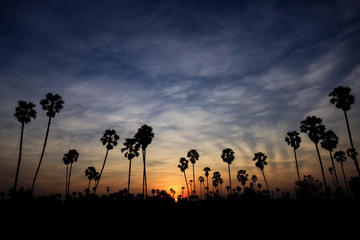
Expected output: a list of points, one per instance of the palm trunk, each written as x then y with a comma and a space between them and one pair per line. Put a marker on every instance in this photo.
144, 174
347, 187
297, 167
229, 175
66, 179
68, 189
267, 186
20, 150
336, 178
97, 183
322, 169
194, 178
352, 144
42, 155
129, 176
187, 186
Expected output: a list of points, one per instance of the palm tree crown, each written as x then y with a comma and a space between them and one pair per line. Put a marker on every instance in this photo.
131, 148
71, 156
293, 139
329, 140
313, 127
193, 155
52, 104
184, 164
144, 136
342, 98
25, 111
109, 139
228, 155
261, 160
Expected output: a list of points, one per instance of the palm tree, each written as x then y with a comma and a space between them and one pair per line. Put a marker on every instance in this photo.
342, 99
69, 158
315, 130
228, 156
329, 142
341, 158
109, 139
66, 162
201, 180
91, 174
23, 112
52, 104
242, 177
184, 164
143, 138
193, 155
131, 150
294, 140
261, 162
207, 170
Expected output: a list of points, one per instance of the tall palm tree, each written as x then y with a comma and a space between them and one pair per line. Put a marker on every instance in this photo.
329, 142
242, 177
66, 162
294, 140
184, 164
260, 159
109, 139
69, 158
341, 158
131, 150
343, 100
228, 156
143, 138
207, 170
23, 112
201, 180
193, 156
53, 103
315, 130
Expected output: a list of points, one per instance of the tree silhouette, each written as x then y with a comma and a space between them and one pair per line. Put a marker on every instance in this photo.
143, 138
131, 150
260, 159
193, 156
207, 170
201, 180
109, 139
69, 158
184, 164
315, 130
23, 113
52, 104
228, 156
242, 177
341, 158
91, 174
294, 140
343, 100
329, 142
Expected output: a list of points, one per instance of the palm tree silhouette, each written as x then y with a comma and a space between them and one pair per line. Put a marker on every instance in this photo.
207, 170
329, 142
23, 112
91, 174
260, 159
109, 139
69, 158
131, 150
184, 164
341, 158
342, 99
315, 130
52, 104
193, 156
228, 156
294, 140
242, 177
201, 180
143, 138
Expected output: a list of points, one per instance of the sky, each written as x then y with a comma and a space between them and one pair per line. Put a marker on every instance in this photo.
205, 75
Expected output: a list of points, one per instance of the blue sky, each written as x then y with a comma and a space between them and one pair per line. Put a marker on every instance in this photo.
204, 74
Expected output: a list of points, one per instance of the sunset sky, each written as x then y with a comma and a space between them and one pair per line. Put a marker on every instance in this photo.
206, 75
